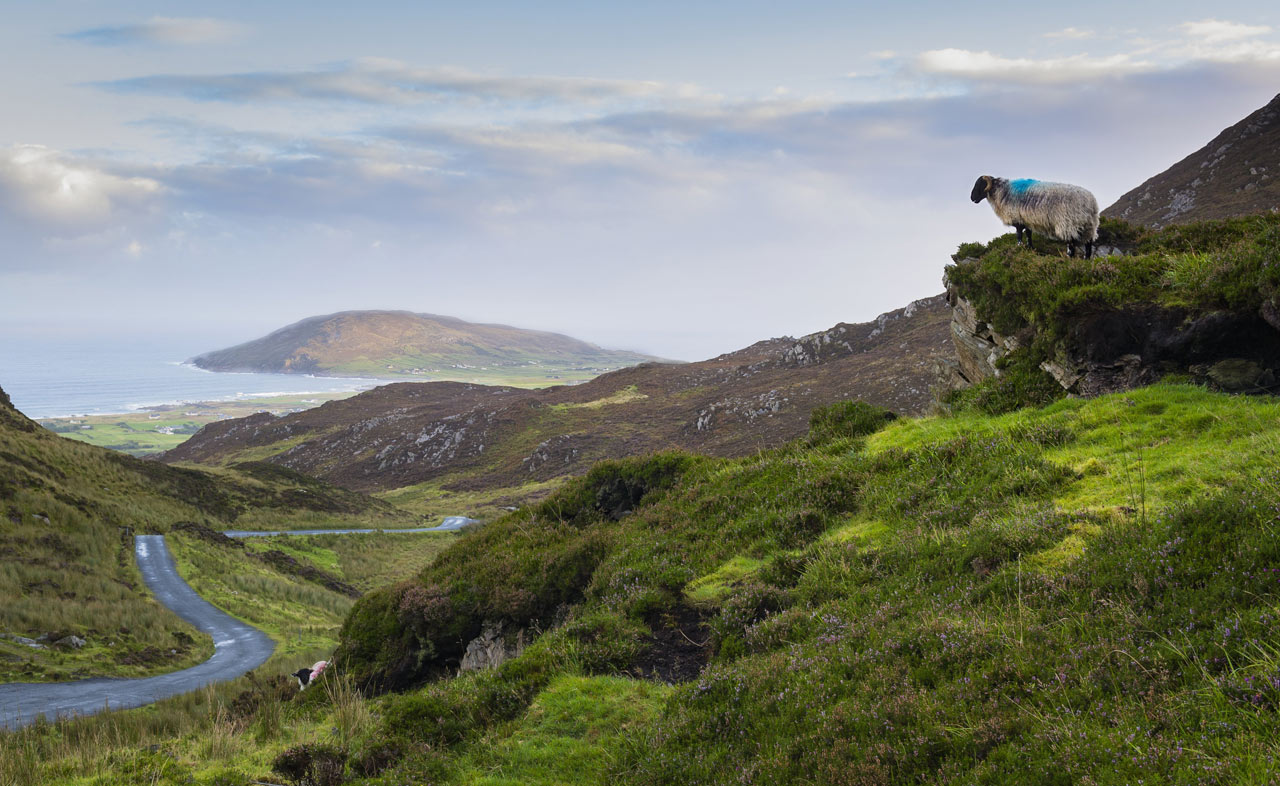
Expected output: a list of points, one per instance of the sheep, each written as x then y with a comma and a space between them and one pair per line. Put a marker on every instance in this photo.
308, 675
1059, 210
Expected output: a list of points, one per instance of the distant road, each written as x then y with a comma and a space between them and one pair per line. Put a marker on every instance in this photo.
238, 647
450, 524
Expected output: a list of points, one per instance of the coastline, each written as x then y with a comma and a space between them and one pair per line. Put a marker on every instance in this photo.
155, 428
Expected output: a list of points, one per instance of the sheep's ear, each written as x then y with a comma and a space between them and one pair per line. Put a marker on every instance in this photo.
989, 181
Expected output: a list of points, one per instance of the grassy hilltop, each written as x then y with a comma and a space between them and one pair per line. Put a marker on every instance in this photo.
1076, 591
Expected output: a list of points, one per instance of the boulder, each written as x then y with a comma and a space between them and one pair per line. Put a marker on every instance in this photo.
489, 649
71, 642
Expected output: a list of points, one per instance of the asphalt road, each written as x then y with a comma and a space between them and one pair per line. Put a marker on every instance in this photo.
238, 647
450, 524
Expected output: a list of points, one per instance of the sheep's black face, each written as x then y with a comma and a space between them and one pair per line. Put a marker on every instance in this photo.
980, 189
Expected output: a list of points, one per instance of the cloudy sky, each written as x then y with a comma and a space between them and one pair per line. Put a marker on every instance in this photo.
680, 178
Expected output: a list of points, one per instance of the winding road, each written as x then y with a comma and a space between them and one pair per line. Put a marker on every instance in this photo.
237, 648
450, 524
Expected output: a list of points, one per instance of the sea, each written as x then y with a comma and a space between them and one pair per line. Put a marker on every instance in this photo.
64, 376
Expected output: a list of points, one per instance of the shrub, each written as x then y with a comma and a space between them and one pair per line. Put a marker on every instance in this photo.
612, 489
747, 605
846, 419
1022, 383
311, 765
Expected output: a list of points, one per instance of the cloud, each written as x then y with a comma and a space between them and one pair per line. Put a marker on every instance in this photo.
987, 67
1072, 34
1204, 42
66, 197
379, 81
1216, 31
171, 31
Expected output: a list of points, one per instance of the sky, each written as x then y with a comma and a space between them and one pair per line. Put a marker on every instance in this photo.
678, 178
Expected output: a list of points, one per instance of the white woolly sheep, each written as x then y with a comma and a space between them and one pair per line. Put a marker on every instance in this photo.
1059, 210
308, 675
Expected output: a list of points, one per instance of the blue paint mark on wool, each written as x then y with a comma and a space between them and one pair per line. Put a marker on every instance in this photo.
1019, 187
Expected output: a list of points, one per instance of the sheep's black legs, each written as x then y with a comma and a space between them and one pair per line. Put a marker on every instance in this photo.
1020, 229
1071, 248
1088, 250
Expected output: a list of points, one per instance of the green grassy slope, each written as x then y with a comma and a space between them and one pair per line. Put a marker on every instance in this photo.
1086, 590
66, 546
1083, 592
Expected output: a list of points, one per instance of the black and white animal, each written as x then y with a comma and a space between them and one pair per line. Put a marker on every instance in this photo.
1059, 210
308, 675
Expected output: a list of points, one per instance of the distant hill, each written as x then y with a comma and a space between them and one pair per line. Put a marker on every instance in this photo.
383, 343
459, 437
1236, 174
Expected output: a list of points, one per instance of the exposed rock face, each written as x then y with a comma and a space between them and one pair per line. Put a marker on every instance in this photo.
1238, 173
1121, 349
489, 649
978, 345
1109, 350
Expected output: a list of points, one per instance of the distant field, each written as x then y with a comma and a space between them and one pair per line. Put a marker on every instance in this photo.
157, 429
160, 428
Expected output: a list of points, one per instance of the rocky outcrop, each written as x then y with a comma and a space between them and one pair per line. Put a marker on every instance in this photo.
978, 345
1107, 350
1118, 349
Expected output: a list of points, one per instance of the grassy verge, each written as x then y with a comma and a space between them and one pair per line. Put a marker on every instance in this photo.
1084, 590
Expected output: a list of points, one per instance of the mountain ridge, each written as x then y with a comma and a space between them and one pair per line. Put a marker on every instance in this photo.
1236, 173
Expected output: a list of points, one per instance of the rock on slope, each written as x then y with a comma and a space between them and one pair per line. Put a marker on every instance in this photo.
1238, 173
480, 437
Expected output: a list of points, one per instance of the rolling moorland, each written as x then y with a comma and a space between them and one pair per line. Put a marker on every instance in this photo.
421, 346
1023, 587
487, 447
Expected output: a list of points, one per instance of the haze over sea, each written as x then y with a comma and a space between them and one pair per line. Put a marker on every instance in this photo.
75, 375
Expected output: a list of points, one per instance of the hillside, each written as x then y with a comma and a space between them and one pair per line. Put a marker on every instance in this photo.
1236, 174
66, 547
475, 438
1081, 593
400, 343
1076, 594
